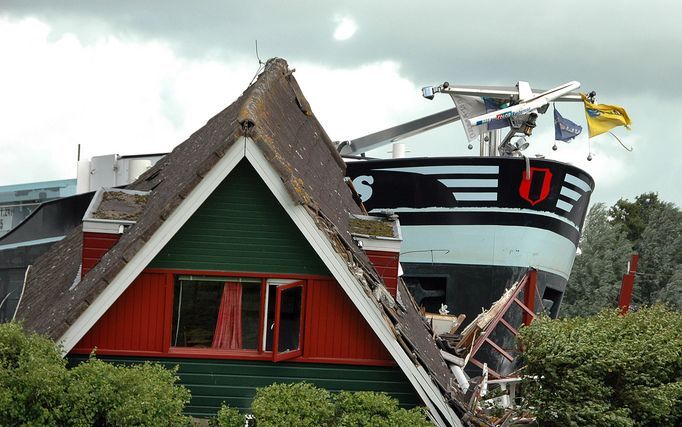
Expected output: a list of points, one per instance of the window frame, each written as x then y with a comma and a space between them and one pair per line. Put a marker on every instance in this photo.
280, 284
277, 355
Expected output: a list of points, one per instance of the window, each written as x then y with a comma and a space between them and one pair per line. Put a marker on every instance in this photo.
239, 314
428, 292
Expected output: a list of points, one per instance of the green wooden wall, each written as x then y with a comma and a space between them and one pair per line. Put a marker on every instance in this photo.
235, 381
241, 227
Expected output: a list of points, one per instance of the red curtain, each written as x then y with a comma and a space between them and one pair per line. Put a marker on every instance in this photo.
228, 328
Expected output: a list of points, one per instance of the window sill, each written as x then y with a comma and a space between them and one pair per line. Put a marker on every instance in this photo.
219, 354
209, 353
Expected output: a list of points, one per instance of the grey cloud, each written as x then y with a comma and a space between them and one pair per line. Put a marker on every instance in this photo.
628, 51
611, 46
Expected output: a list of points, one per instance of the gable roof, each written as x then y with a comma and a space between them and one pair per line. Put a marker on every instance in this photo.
272, 126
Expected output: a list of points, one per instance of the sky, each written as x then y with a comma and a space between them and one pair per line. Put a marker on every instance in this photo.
130, 77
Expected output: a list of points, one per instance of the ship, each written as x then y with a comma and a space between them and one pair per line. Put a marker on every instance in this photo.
474, 225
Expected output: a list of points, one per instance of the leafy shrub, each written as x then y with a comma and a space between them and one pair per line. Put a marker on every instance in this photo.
228, 417
303, 404
33, 378
406, 418
100, 393
36, 389
90, 393
297, 404
364, 408
606, 369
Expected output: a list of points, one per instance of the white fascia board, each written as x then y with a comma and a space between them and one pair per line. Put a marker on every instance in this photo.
427, 390
155, 244
104, 227
382, 245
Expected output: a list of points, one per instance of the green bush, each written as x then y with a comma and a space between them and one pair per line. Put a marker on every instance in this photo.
228, 417
33, 378
364, 408
297, 404
100, 393
36, 389
606, 369
407, 418
302, 404
90, 393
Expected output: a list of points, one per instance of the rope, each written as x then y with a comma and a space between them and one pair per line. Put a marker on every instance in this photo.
621, 142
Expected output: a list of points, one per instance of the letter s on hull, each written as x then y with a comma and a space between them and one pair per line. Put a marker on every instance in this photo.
362, 185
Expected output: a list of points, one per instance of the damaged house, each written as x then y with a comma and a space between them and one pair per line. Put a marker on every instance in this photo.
237, 257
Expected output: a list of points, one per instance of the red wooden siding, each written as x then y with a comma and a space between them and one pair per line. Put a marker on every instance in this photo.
136, 322
140, 323
386, 264
335, 329
95, 245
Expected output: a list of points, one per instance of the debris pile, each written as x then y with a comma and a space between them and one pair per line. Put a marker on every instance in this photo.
487, 347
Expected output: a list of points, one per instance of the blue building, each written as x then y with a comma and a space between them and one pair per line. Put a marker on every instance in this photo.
18, 201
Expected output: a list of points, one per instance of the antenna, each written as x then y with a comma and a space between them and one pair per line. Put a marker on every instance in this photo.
261, 65
257, 55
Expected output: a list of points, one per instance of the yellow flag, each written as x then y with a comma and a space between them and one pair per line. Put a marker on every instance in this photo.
602, 118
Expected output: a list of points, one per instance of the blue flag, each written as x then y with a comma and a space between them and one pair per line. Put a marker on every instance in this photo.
494, 105
564, 129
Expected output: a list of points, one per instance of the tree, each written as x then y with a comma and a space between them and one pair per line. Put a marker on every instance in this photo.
671, 293
649, 226
598, 269
660, 249
605, 369
633, 217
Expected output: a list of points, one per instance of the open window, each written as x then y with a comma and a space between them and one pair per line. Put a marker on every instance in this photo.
239, 314
283, 323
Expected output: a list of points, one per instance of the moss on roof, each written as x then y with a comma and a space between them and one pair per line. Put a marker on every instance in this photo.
119, 205
372, 227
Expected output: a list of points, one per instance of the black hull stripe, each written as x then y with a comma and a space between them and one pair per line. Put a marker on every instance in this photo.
491, 218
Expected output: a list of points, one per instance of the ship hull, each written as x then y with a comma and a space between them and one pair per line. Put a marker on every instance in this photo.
472, 226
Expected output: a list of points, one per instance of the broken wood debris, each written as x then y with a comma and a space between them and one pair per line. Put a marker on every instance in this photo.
488, 399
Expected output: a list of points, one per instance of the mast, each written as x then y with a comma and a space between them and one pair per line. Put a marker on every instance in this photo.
524, 104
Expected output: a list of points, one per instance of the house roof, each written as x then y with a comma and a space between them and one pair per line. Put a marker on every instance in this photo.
309, 166
273, 116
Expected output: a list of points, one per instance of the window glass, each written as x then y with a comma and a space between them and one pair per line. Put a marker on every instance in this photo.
290, 320
270, 300
195, 313
220, 313
251, 316
269, 332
